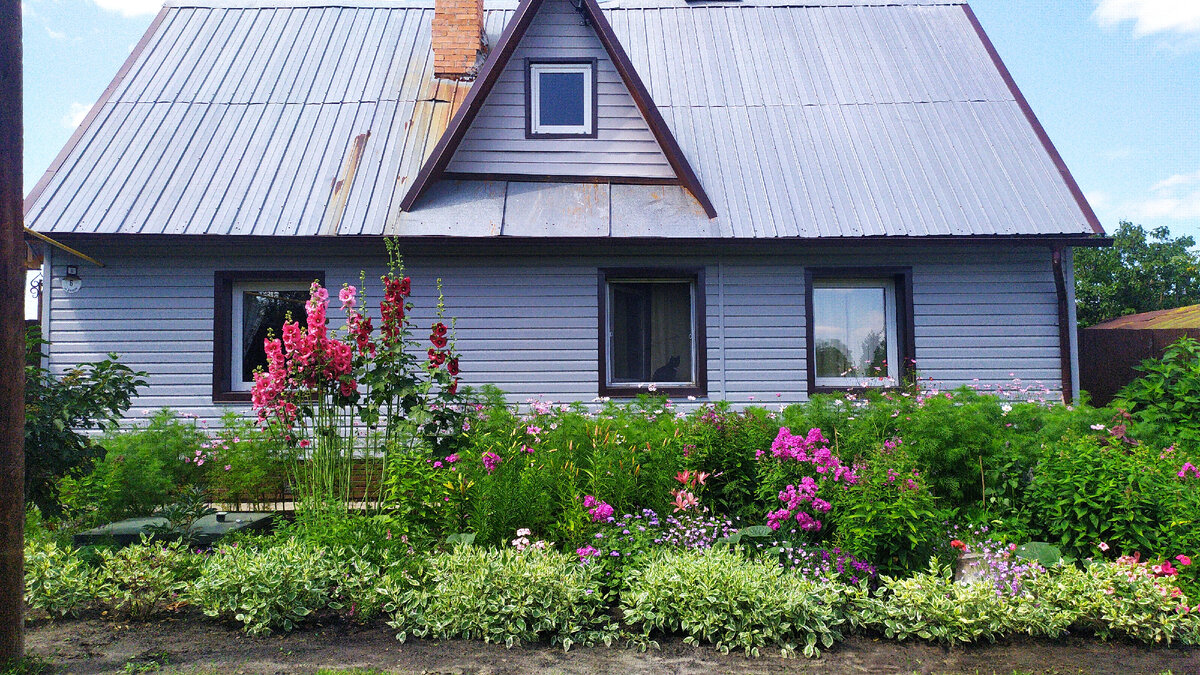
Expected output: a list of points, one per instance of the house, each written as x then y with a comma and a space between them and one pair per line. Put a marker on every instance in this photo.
747, 200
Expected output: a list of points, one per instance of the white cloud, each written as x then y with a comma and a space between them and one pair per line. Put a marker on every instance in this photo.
1150, 16
54, 35
1176, 198
131, 7
75, 114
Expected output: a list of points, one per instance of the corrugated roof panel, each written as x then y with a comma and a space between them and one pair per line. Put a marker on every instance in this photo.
835, 118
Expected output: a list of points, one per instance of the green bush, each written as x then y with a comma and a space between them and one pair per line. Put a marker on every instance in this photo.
274, 587
549, 460
720, 597
59, 410
1166, 397
889, 517
58, 580
502, 596
245, 465
931, 606
136, 581
724, 444
1094, 489
143, 468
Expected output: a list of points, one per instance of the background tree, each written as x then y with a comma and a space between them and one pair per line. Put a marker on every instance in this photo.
1142, 272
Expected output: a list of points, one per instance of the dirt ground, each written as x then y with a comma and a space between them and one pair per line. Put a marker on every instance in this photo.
192, 644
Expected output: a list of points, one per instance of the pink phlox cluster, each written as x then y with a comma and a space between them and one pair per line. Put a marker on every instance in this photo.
1189, 470
587, 553
796, 500
490, 461
598, 510
812, 448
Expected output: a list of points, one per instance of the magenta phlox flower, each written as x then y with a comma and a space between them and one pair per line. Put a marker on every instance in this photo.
490, 461
1189, 470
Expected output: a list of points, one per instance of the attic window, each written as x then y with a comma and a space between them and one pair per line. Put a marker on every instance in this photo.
560, 98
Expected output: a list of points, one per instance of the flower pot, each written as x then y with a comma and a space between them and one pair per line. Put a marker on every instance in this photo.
971, 568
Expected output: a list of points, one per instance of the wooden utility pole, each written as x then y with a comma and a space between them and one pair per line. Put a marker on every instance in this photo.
12, 340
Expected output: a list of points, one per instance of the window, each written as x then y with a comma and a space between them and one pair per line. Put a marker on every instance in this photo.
652, 332
248, 307
560, 98
859, 330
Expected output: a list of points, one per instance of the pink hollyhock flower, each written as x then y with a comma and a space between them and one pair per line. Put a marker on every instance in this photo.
304, 443
346, 295
1184, 561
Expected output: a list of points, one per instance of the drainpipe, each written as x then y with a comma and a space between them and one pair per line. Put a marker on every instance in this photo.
1064, 323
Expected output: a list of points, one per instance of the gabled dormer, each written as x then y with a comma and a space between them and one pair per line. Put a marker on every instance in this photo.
557, 99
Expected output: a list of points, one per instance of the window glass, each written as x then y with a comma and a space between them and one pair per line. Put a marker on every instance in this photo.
650, 332
854, 325
259, 310
561, 98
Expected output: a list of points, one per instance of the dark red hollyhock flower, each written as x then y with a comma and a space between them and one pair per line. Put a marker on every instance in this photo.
432, 355
437, 358
453, 387
406, 286
453, 367
438, 341
439, 328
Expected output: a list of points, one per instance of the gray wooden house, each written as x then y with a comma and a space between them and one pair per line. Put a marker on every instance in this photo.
745, 200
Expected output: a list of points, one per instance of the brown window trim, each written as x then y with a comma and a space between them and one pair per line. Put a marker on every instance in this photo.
529, 133
692, 274
905, 325
223, 281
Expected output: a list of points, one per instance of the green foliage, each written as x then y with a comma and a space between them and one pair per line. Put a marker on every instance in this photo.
245, 466
274, 587
627, 456
931, 606
136, 581
143, 468
58, 412
58, 580
1166, 398
954, 438
1141, 272
723, 443
724, 599
890, 516
30, 664
1090, 489
502, 596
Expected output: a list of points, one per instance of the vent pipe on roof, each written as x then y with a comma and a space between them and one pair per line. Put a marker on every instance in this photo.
457, 38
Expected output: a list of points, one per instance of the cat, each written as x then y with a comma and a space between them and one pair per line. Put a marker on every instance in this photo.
669, 372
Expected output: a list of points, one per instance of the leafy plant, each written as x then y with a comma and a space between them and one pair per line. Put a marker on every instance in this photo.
274, 587
57, 580
136, 581
1166, 397
724, 599
59, 410
504, 596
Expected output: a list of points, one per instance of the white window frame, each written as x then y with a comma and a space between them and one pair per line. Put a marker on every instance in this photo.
608, 333
535, 86
237, 318
891, 326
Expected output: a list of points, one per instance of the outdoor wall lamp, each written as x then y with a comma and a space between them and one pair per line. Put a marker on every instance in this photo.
71, 281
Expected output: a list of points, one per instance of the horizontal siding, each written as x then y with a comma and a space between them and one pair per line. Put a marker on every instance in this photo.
527, 324
624, 145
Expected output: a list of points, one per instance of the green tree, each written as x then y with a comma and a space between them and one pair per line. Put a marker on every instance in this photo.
1141, 272
58, 410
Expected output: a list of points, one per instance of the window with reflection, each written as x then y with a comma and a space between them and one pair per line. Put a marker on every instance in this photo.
561, 98
258, 310
855, 333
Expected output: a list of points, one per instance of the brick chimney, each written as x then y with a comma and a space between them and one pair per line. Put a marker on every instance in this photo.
457, 37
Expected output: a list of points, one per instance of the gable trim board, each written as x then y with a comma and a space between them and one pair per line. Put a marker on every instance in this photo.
1038, 129
435, 165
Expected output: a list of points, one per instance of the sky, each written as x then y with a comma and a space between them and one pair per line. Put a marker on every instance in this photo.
1116, 83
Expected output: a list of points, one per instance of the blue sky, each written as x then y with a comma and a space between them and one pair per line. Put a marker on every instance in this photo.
1115, 82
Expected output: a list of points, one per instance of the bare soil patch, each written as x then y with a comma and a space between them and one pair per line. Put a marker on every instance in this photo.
191, 644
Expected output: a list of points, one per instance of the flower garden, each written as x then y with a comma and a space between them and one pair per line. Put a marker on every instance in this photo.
954, 517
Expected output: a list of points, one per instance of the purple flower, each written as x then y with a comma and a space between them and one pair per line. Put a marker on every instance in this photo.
490, 461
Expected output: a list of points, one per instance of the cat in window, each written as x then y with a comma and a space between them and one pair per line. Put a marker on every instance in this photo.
668, 372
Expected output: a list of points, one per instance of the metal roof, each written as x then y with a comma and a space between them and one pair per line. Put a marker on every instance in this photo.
810, 118
1180, 317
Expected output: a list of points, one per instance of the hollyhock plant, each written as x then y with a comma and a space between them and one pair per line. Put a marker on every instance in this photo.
337, 393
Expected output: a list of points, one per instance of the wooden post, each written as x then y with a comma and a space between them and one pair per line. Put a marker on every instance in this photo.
12, 340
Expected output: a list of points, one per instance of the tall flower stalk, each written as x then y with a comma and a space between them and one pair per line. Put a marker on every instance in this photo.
356, 396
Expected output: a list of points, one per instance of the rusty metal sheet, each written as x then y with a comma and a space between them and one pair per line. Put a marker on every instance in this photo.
455, 208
